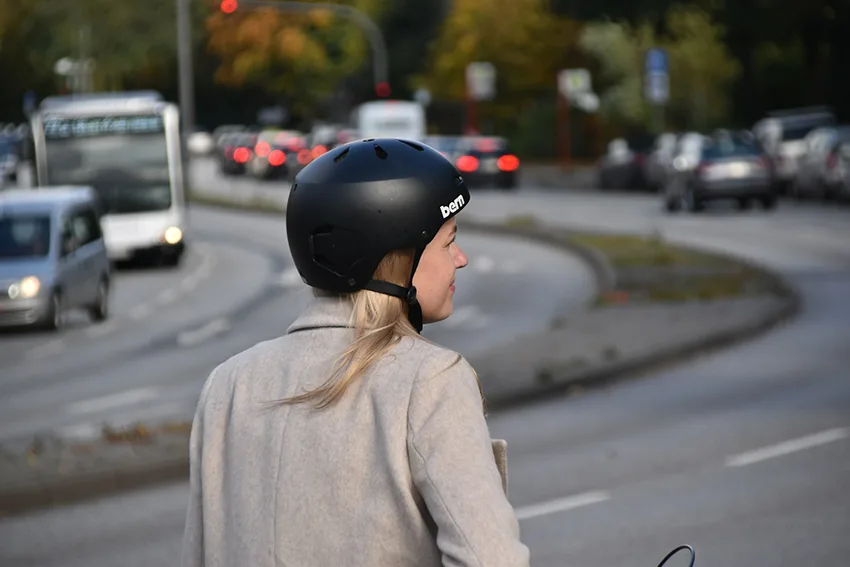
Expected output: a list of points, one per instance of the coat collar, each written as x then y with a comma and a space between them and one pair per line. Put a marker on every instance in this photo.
324, 311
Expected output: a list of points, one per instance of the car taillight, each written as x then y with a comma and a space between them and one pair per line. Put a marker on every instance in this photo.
467, 163
276, 158
832, 160
319, 150
508, 163
305, 157
241, 155
262, 149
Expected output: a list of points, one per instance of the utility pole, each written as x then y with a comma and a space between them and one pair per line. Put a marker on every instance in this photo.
186, 78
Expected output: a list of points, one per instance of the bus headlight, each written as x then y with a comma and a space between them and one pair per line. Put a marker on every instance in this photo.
173, 235
27, 288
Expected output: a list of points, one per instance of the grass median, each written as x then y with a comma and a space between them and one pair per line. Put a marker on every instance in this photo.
648, 269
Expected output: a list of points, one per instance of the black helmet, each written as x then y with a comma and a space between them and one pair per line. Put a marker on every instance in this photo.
351, 206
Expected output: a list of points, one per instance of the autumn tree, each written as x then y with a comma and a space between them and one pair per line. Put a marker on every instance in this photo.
521, 38
701, 68
301, 57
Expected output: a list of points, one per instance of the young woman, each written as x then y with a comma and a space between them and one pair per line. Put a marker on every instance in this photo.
351, 440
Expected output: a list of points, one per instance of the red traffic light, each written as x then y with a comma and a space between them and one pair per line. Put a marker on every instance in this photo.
229, 6
382, 89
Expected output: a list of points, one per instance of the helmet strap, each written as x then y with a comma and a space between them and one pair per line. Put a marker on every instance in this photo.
407, 294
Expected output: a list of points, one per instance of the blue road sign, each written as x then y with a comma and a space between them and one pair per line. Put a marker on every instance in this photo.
29, 102
656, 61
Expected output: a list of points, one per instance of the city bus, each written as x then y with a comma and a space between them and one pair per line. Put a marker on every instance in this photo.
126, 146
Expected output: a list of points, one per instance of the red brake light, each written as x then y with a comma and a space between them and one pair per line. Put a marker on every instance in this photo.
487, 145
832, 160
319, 150
241, 155
467, 163
508, 162
305, 157
262, 149
276, 158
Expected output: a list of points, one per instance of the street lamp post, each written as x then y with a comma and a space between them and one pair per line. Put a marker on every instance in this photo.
186, 82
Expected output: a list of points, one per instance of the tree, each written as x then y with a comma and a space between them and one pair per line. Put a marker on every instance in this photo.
123, 38
700, 66
301, 57
521, 38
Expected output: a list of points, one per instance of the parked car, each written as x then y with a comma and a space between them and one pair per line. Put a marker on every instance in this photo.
722, 167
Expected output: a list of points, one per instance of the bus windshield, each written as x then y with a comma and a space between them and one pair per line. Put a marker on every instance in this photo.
124, 158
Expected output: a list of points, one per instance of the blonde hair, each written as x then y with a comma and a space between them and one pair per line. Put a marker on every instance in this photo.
380, 322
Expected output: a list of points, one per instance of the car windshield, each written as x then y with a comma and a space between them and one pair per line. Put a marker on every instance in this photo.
24, 236
730, 148
129, 169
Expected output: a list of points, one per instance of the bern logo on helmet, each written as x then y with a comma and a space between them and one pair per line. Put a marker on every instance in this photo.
452, 207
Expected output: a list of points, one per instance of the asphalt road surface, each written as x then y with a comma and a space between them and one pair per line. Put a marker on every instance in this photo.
744, 454
169, 328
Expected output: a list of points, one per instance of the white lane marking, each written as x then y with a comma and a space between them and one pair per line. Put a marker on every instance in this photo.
111, 401
101, 329
188, 284
201, 334
167, 296
468, 315
140, 311
561, 505
51, 347
79, 431
484, 264
788, 447
289, 278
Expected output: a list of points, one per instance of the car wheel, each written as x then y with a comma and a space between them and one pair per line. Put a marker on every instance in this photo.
99, 310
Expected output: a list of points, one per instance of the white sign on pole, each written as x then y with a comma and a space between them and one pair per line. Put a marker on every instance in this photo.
481, 80
574, 82
657, 87
422, 96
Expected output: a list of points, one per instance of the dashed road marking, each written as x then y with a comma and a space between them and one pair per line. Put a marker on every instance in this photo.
203, 333
561, 505
788, 447
167, 296
289, 278
139, 311
111, 401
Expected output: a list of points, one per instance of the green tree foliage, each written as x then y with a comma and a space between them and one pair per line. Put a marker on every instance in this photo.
521, 38
700, 65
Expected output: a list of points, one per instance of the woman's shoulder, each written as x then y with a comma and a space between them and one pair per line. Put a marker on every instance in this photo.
430, 359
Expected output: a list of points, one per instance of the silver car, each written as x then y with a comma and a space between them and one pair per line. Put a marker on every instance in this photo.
725, 166
52, 256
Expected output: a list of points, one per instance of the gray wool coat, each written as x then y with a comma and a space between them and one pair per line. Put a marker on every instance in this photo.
400, 472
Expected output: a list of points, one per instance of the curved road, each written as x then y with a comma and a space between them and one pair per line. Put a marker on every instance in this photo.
169, 328
745, 454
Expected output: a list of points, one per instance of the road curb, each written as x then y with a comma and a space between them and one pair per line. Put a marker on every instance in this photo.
563, 380
153, 465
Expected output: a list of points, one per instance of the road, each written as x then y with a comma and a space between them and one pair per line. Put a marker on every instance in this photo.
238, 286
744, 454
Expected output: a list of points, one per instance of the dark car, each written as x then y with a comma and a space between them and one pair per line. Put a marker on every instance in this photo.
234, 151
486, 161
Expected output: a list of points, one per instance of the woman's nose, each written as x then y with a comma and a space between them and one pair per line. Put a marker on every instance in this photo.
461, 260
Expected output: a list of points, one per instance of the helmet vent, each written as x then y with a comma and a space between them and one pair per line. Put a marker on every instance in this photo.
416, 147
379, 151
344, 153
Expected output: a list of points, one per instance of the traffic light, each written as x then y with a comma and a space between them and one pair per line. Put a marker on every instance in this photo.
382, 89
229, 6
